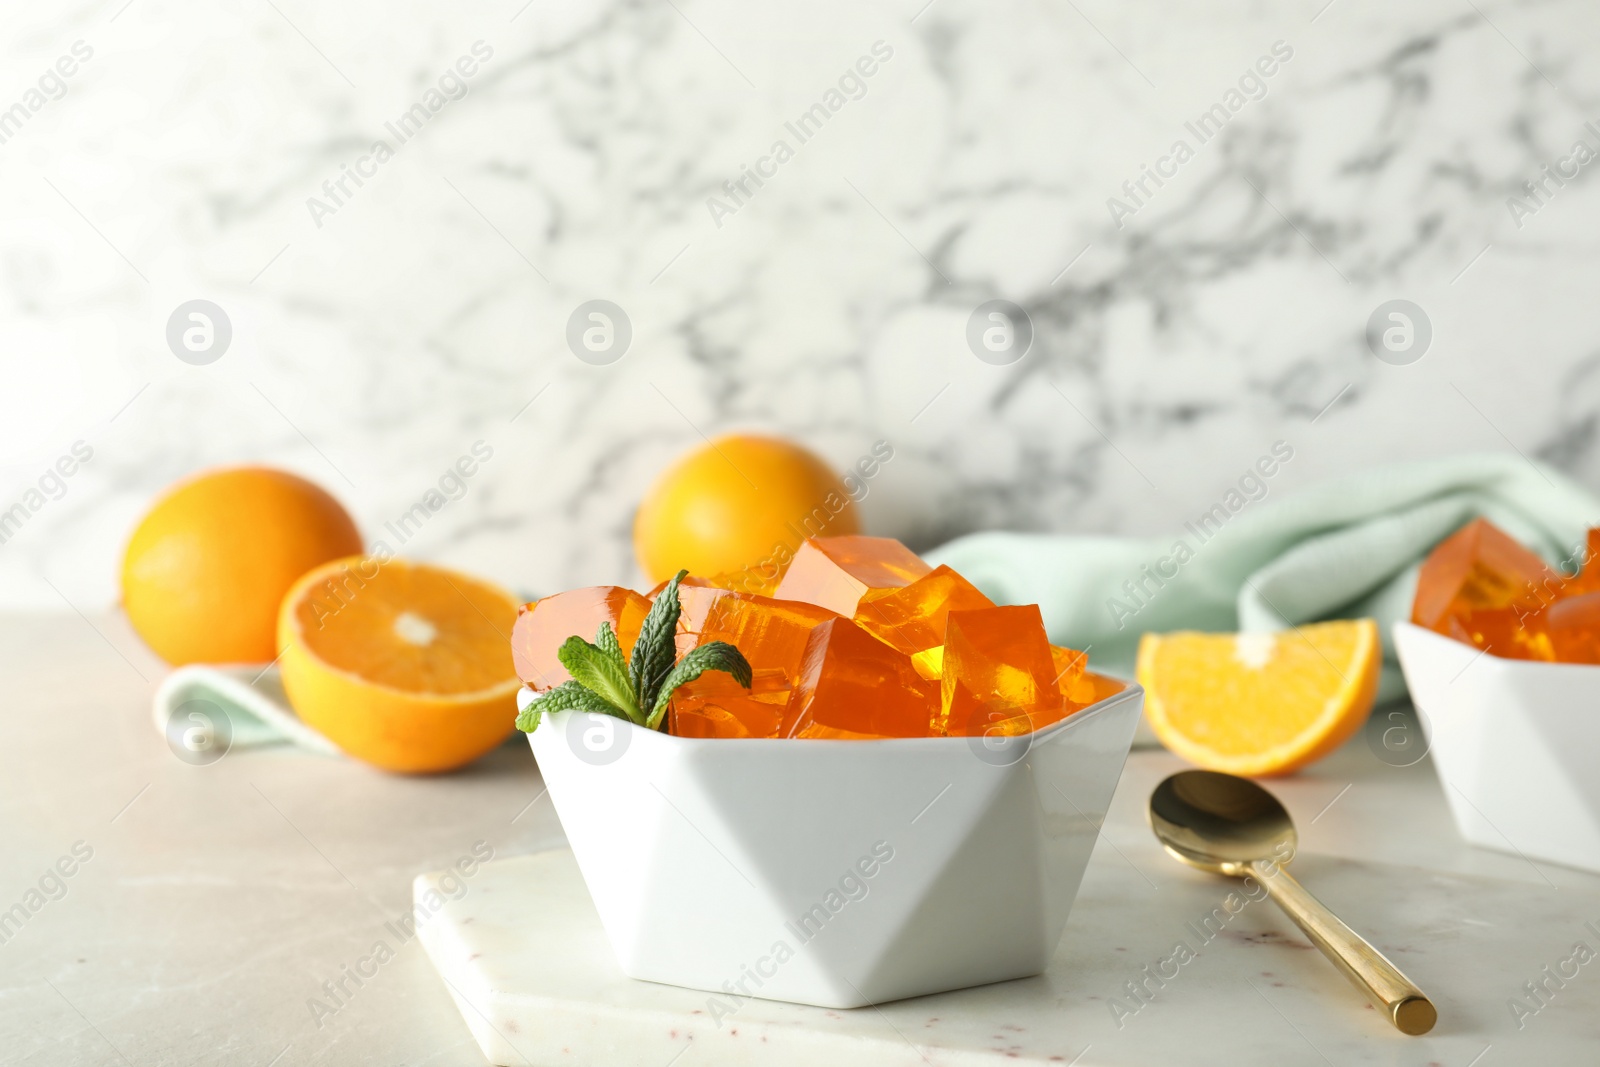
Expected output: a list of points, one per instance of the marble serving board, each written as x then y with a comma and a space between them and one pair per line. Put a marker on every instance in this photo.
521, 950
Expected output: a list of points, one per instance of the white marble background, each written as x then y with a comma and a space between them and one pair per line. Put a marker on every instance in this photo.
430, 310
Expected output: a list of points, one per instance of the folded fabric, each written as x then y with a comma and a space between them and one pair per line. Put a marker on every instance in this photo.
230, 706
1347, 548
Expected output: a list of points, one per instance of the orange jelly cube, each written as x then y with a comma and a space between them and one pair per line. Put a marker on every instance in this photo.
912, 618
1587, 580
1080, 686
1073, 680
1572, 629
851, 685
998, 674
731, 582
771, 633
1100, 687
714, 705
697, 596
1477, 567
689, 581
836, 572
543, 626
761, 581
695, 599
1513, 632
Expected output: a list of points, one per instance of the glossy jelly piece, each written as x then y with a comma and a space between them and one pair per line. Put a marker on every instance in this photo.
811, 731
688, 582
543, 626
695, 601
1099, 687
742, 581
1072, 675
1512, 632
771, 633
851, 684
836, 572
912, 617
757, 581
1079, 689
1476, 568
998, 672
1572, 628
714, 705
709, 719
1587, 568
929, 662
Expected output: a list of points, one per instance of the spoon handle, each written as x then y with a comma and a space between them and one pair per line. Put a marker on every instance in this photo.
1407, 1007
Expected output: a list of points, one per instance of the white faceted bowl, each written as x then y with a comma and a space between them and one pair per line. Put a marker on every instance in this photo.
834, 873
1514, 742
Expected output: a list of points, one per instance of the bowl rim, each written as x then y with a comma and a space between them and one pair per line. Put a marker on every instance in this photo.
1132, 691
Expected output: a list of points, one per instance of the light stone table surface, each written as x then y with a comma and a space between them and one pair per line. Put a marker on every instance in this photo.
218, 905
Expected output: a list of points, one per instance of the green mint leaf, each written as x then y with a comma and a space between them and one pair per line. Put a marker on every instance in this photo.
568, 696
606, 641
655, 650
711, 656
601, 674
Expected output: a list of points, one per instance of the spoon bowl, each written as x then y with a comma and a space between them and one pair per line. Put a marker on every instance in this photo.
1220, 823
1229, 825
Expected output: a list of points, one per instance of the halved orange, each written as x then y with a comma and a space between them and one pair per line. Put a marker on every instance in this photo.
1260, 703
404, 665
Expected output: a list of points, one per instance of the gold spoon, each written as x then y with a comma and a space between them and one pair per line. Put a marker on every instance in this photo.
1228, 825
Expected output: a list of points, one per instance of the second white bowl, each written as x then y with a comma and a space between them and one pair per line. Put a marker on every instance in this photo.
1514, 742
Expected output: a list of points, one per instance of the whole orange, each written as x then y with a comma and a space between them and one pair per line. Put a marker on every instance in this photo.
742, 503
207, 566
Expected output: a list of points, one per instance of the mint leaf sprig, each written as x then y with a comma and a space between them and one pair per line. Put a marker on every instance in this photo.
637, 688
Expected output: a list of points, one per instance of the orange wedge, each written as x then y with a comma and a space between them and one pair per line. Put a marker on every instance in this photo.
1260, 703
404, 665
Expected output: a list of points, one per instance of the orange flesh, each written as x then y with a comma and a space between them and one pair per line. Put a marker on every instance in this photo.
407, 628
1260, 703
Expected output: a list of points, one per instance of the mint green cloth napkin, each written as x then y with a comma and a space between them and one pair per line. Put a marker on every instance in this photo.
230, 705
1342, 549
